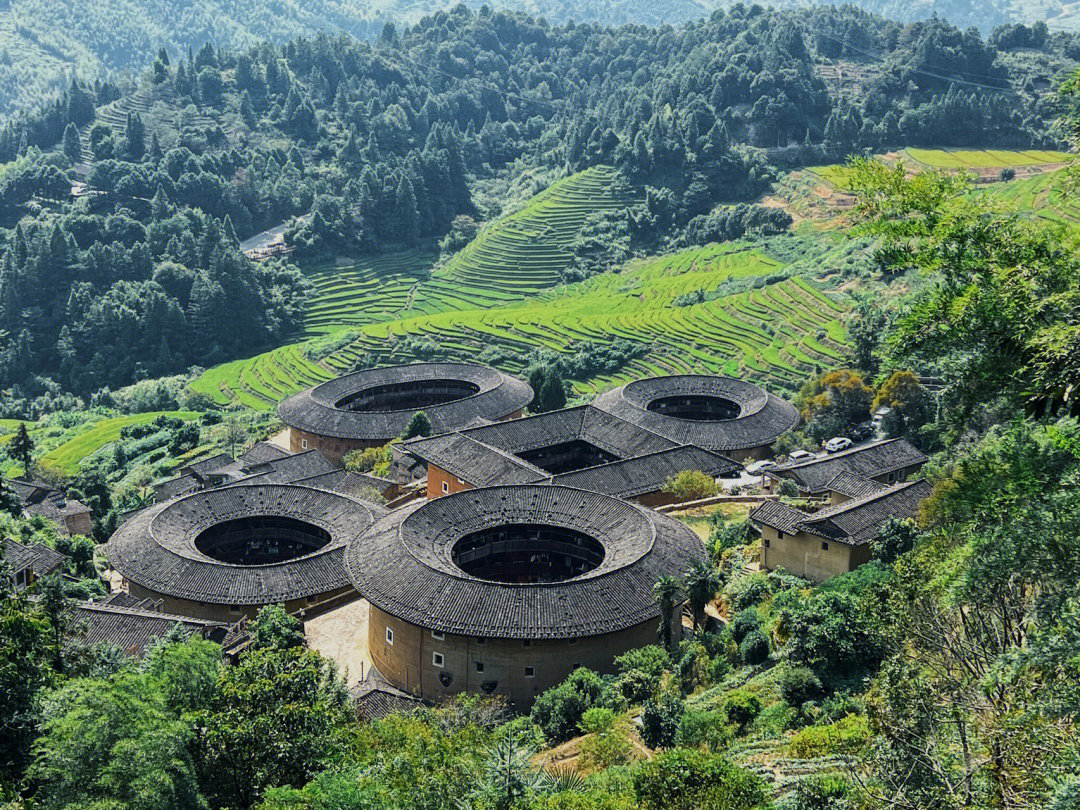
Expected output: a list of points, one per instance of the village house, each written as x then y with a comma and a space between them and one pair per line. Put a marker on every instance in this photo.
836, 539
38, 498
885, 462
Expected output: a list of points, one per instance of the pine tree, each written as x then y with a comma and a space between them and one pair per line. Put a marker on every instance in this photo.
21, 448
408, 217
134, 137
553, 392
72, 144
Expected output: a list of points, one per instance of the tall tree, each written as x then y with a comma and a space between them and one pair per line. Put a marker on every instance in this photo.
72, 145
666, 592
701, 581
21, 448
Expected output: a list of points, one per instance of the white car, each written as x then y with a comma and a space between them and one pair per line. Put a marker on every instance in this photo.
759, 467
837, 444
800, 455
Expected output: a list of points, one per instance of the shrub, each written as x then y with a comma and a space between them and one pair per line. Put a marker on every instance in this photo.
754, 649
691, 485
787, 488
419, 425
819, 792
651, 659
748, 590
559, 710
741, 707
596, 720
744, 622
831, 634
364, 461
606, 743
848, 735
693, 780
660, 718
635, 686
730, 533
798, 685
703, 728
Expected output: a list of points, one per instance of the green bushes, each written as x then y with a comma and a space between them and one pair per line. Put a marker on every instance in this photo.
798, 685
692, 780
660, 718
754, 648
741, 707
846, 736
559, 710
690, 485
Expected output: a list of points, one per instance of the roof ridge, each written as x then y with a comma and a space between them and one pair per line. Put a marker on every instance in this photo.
106, 607
855, 503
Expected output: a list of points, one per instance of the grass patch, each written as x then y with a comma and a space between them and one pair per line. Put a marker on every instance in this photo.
67, 456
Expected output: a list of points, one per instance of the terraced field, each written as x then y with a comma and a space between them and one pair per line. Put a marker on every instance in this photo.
524, 253
985, 158
261, 382
778, 331
372, 289
1042, 196
768, 327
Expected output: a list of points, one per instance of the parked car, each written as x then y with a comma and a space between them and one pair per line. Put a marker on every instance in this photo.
838, 443
801, 455
863, 431
758, 467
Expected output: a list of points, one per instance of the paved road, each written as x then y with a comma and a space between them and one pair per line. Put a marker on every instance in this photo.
261, 240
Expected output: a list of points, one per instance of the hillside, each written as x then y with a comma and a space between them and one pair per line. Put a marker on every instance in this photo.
43, 43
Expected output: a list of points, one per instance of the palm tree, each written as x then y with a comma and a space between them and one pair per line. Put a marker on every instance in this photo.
702, 582
667, 591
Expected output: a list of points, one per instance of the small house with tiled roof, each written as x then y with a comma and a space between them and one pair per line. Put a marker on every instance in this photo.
71, 516
30, 562
133, 625
885, 462
836, 539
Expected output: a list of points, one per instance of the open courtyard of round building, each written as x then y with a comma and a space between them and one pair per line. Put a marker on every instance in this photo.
224, 553
722, 414
506, 590
372, 407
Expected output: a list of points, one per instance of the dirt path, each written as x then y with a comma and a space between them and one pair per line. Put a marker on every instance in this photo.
341, 634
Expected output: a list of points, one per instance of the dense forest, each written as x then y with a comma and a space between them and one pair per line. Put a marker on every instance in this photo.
43, 43
377, 146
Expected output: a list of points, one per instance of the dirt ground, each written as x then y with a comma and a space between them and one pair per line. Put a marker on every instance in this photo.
341, 634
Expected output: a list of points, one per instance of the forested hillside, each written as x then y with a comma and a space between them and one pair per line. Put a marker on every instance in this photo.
383, 146
43, 43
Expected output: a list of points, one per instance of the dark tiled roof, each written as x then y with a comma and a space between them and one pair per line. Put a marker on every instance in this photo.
30, 491
174, 487
473, 461
762, 418
315, 410
354, 485
132, 629
636, 476
487, 456
403, 564
39, 558
853, 486
208, 466
868, 461
290, 468
375, 699
860, 520
854, 522
778, 516
56, 506
261, 453
156, 547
